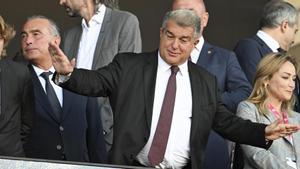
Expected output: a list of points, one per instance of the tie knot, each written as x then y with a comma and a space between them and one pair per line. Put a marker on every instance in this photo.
281, 50
46, 75
174, 69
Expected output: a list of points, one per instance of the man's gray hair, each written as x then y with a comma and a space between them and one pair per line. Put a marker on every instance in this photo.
52, 25
184, 18
277, 11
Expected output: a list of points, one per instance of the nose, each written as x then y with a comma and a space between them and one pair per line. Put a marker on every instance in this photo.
175, 44
292, 84
27, 40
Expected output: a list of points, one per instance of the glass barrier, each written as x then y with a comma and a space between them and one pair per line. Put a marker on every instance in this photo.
29, 163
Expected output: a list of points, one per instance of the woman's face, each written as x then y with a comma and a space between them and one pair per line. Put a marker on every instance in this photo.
282, 84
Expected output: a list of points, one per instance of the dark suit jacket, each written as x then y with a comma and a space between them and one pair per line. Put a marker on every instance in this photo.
17, 107
234, 88
249, 52
232, 82
119, 33
76, 136
129, 81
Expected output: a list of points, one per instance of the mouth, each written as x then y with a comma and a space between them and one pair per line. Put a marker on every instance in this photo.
173, 54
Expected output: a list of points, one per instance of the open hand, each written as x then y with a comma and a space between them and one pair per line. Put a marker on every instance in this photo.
278, 129
60, 61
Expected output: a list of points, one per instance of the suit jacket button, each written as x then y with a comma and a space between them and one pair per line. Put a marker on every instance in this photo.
104, 132
61, 128
58, 147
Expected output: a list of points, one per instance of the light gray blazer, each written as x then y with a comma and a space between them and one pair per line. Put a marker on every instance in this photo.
275, 156
119, 33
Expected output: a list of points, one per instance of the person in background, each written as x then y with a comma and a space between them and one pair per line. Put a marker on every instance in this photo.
277, 30
67, 125
232, 83
272, 99
164, 105
16, 98
104, 31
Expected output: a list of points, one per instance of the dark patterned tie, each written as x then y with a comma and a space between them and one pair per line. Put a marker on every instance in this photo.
53, 100
160, 139
280, 50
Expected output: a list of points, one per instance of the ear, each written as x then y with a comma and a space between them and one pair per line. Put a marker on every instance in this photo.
196, 41
284, 25
204, 19
161, 31
57, 40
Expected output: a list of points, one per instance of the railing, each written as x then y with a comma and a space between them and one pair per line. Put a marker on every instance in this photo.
30, 163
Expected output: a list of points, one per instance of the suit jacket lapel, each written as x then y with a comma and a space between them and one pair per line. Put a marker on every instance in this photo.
295, 136
205, 53
149, 72
76, 39
40, 95
196, 83
105, 25
67, 103
264, 48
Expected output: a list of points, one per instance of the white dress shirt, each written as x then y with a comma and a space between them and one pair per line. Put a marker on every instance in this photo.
271, 42
57, 89
178, 147
89, 38
196, 51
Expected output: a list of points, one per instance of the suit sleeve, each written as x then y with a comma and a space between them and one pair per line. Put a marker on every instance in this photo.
248, 56
235, 128
101, 82
130, 36
258, 157
27, 113
95, 138
237, 86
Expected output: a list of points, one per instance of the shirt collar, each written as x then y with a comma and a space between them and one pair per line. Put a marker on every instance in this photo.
162, 65
96, 19
39, 71
269, 40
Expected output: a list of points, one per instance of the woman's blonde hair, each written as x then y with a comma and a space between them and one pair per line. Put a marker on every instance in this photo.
267, 67
7, 32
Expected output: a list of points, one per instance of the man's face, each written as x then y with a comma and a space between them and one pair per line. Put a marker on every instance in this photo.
289, 36
176, 43
72, 6
35, 39
196, 5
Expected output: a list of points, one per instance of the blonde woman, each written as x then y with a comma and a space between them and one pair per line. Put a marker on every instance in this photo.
272, 99
16, 97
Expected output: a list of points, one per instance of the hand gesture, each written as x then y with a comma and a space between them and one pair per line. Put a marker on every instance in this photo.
278, 129
60, 61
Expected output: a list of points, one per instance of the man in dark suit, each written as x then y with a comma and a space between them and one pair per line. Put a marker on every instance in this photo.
70, 129
136, 84
232, 83
103, 32
17, 107
16, 98
278, 27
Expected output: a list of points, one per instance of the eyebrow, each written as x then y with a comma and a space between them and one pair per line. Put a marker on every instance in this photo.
182, 37
31, 31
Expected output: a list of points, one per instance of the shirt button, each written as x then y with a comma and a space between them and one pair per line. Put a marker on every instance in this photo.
61, 128
58, 147
104, 132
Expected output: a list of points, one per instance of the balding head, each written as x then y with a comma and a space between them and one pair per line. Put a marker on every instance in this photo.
197, 5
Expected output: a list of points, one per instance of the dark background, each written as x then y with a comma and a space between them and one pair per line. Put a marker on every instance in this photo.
230, 20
